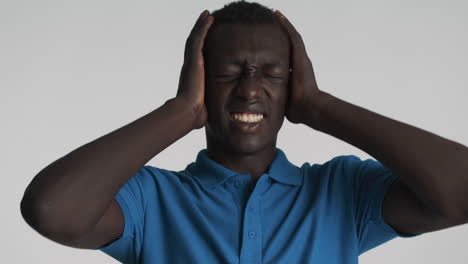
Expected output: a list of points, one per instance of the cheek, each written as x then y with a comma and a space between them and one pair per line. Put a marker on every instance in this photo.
215, 98
279, 95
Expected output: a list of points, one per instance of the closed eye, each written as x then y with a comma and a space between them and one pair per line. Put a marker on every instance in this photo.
273, 78
226, 77
221, 76
276, 77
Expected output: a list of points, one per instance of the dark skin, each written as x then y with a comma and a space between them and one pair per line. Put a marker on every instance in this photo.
433, 174
54, 203
433, 170
431, 192
247, 69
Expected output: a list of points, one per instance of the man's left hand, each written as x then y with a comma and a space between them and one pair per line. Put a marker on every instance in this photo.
303, 92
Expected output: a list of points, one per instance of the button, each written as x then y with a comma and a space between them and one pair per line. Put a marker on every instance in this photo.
236, 184
252, 234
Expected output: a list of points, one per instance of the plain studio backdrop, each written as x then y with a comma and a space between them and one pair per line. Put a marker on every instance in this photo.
72, 71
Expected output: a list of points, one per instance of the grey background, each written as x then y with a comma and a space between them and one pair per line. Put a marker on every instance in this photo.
72, 71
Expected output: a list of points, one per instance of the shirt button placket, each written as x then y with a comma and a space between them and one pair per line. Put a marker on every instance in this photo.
251, 246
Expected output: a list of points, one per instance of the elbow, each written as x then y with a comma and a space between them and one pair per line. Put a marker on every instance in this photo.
32, 213
37, 216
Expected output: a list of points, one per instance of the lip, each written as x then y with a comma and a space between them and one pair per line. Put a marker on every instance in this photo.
246, 127
250, 112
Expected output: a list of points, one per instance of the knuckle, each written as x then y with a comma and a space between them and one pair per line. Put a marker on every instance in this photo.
197, 62
200, 62
193, 61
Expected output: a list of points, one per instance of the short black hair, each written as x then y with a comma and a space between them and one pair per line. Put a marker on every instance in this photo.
243, 12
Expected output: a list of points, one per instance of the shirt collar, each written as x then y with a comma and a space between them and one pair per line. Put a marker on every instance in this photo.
211, 173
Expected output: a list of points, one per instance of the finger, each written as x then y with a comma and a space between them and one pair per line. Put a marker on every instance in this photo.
199, 40
194, 42
198, 23
189, 41
300, 54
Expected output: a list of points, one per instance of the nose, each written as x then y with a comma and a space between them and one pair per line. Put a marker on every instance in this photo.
249, 87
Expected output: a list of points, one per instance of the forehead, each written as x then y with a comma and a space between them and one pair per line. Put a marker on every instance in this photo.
238, 43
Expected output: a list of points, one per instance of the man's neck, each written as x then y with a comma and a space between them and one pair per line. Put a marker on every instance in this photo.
254, 164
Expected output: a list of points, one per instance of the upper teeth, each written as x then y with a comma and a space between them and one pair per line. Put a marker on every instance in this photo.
249, 118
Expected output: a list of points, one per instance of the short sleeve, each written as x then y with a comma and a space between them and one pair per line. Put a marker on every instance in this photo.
370, 181
131, 198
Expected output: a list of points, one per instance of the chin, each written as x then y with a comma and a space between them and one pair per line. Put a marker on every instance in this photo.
247, 146
225, 139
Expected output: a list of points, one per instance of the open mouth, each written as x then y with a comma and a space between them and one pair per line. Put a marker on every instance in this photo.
246, 122
247, 117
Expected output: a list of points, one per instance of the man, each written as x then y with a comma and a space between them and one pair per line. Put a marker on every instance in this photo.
245, 69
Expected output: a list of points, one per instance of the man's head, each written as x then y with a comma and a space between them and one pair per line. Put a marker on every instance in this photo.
247, 64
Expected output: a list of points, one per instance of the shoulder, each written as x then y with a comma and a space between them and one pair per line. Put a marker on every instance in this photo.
336, 165
337, 161
150, 173
164, 180
343, 171
149, 178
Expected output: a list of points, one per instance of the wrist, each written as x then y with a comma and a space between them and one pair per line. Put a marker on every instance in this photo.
318, 104
196, 112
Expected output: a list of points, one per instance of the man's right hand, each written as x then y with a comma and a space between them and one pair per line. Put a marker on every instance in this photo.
53, 203
192, 78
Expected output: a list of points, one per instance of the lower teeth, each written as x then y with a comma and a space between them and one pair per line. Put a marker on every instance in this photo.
247, 121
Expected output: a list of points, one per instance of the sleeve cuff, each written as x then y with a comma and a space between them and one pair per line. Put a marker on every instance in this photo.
127, 224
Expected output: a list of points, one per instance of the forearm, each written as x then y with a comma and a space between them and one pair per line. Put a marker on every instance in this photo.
72, 193
435, 169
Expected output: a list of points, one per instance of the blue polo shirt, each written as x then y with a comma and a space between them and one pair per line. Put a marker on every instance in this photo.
321, 213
